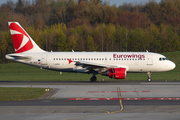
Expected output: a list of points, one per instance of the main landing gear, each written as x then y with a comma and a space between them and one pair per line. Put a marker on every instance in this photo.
149, 76
93, 79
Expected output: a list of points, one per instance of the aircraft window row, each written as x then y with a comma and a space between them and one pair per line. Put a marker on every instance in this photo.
81, 58
162, 59
98, 59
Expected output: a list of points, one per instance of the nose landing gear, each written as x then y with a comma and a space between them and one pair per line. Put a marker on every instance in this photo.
149, 76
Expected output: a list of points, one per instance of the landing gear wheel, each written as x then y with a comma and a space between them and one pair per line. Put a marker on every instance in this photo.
93, 79
149, 76
149, 79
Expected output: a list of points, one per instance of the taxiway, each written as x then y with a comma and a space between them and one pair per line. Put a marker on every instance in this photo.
68, 101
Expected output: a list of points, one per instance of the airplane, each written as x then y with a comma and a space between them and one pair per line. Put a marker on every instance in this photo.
113, 64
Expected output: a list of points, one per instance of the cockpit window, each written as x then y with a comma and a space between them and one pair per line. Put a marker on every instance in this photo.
162, 59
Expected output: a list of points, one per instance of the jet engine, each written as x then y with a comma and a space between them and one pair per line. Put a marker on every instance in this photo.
115, 73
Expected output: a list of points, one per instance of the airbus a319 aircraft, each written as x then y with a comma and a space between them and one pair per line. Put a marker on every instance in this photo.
113, 64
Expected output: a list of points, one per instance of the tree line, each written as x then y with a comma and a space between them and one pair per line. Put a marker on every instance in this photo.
93, 25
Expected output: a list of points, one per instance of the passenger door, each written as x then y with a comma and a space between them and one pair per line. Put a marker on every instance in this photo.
149, 59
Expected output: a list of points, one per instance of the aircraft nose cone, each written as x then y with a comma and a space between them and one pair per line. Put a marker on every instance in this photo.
171, 65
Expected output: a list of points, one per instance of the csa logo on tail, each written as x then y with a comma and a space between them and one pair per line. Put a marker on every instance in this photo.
21, 40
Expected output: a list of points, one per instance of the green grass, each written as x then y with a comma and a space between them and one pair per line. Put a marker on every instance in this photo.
20, 72
10, 94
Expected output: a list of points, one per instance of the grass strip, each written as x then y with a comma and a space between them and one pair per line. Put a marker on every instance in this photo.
11, 94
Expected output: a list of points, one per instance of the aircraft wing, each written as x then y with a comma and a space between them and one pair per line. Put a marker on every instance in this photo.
96, 66
93, 66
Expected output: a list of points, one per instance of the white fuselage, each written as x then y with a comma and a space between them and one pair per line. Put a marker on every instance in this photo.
132, 61
112, 64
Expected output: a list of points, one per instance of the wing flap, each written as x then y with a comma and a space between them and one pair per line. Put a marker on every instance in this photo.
94, 65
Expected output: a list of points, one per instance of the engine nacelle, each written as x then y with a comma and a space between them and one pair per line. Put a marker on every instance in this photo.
115, 73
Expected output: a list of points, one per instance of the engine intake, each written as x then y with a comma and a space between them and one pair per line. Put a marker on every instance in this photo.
115, 73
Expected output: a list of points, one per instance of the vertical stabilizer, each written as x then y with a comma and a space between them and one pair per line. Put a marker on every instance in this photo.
21, 40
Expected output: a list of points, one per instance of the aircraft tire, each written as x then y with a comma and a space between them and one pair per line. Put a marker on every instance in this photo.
149, 79
93, 79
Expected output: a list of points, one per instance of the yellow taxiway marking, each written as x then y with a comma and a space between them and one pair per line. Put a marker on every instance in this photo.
120, 101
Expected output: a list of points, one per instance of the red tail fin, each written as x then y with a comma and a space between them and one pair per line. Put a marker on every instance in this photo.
21, 40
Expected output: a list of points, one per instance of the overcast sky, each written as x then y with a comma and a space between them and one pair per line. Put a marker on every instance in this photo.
118, 2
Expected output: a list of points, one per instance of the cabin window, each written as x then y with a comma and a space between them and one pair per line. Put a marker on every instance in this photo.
54, 58
64, 58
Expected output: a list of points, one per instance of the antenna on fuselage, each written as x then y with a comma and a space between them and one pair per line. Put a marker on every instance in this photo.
146, 50
72, 50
